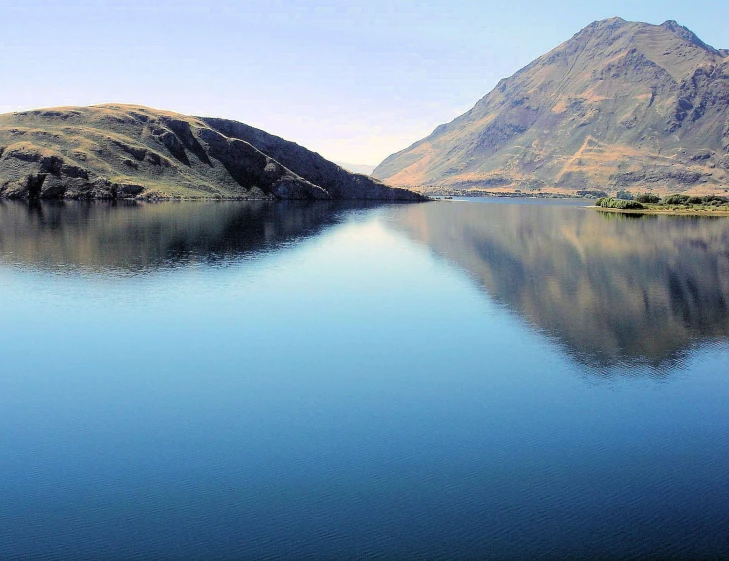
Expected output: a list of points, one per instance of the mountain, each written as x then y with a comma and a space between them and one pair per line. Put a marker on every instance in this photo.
621, 105
124, 151
364, 169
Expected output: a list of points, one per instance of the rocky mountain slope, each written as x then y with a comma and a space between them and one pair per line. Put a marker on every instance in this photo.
621, 105
122, 151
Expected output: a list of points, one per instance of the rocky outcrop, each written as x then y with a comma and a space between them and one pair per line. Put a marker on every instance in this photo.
337, 181
620, 103
118, 151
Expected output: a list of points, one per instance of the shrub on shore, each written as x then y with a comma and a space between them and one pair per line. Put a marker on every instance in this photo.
648, 198
676, 199
609, 202
712, 200
715, 200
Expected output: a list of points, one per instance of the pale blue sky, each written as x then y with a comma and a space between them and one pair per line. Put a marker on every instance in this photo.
354, 81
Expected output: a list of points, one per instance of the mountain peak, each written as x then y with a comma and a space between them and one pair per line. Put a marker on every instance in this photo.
610, 22
621, 104
688, 35
613, 24
601, 26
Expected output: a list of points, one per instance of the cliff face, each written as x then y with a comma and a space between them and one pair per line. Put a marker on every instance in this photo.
121, 151
619, 105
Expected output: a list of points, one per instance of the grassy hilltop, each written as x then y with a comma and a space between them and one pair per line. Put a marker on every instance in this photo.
125, 151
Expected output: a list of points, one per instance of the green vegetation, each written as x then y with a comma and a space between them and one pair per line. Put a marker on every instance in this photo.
624, 195
648, 198
621, 204
591, 193
676, 200
673, 203
695, 201
715, 200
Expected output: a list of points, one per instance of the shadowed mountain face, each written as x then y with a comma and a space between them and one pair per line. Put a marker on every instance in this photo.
621, 105
610, 288
122, 151
137, 237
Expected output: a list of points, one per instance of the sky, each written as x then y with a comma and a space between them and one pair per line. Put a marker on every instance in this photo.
354, 81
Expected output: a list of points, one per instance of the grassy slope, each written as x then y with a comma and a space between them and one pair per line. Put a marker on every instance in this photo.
123, 150
104, 140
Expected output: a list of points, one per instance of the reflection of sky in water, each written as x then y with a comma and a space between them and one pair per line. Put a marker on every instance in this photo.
342, 392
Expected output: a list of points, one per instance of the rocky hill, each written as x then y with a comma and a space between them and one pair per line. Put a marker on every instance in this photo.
621, 105
122, 151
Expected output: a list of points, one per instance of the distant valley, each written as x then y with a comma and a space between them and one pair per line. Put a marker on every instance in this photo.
621, 105
364, 169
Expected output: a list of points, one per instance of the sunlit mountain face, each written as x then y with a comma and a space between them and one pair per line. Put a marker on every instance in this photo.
610, 288
619, 105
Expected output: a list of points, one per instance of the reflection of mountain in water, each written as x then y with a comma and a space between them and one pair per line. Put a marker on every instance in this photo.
609, 287
135, 236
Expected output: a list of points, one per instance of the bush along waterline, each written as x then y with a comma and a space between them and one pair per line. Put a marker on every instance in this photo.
671, 203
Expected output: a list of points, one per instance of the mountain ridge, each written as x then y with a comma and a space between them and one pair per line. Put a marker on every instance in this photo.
125, 151
620, 104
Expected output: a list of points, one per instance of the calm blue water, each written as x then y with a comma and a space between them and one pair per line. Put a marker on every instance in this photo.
446, 380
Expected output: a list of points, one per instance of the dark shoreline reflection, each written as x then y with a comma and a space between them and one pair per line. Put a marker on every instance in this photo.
144, 237
612, 289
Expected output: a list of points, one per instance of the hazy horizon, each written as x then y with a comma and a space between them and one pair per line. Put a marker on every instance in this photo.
355, 83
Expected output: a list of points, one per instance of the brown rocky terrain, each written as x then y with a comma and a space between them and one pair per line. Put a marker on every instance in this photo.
621, 105
123, 151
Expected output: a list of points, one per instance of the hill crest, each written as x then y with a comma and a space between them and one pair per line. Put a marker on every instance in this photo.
122, 151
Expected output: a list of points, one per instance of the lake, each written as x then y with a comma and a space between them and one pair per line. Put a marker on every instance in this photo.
476, 379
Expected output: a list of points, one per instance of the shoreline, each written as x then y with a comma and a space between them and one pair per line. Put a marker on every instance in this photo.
666, 212
197, 199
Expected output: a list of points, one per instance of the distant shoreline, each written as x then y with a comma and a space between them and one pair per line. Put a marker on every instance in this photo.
666, 211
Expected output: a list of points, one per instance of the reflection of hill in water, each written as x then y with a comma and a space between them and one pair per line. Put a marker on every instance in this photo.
142, 237
611, 288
